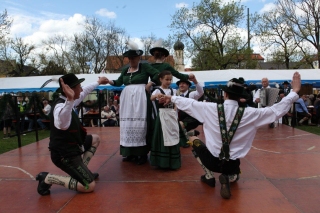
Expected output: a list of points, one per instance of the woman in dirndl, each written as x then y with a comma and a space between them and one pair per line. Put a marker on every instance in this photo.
135, 110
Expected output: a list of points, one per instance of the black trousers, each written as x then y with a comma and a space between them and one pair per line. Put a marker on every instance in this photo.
74, 165
190, 123
215, 164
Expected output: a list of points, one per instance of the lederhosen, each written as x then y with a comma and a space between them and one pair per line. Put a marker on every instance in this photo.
222, 164
188, 121
66, 147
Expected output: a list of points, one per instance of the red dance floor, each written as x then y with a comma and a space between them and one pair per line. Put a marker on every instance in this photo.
281, 173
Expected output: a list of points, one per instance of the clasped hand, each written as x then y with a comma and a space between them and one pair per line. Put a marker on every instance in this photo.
103, 80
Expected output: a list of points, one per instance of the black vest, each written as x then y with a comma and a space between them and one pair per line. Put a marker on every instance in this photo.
182, 114
66, 143
170, 105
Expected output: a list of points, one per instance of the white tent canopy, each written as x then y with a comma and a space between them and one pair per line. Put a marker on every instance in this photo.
209, 78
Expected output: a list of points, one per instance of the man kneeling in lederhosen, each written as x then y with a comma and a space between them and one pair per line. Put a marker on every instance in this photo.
71, 149
229, 130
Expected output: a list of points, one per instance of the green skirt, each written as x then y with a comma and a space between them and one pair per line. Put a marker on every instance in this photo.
167, 157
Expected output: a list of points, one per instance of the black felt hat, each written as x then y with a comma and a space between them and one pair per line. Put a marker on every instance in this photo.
133, 53
235, 86
71, 80
160, 49
285, 82
188, 82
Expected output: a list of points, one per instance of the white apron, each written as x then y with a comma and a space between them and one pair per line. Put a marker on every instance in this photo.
133, 116
169, 125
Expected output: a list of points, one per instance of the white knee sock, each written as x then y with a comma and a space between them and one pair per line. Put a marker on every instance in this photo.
58, 179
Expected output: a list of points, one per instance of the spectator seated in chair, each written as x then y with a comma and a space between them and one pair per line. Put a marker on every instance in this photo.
108, 117
302, 111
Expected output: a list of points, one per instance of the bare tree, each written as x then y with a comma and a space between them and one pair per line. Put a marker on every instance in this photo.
97, 35
102, 41
147, 43
5, 24
5, 62
169, 42
23, 54
275, 35
117, 43
80, 52
303, 17
57, 49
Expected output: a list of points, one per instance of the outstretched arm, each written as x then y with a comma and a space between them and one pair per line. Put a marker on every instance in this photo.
89, 88
296, 82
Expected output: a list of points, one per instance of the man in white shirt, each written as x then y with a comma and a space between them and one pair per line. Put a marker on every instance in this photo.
70, 147
218, 154
186, 121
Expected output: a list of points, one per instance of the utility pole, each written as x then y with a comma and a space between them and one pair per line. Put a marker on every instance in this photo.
248, 30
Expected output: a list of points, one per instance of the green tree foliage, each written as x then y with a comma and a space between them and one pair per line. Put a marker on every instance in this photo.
210, 31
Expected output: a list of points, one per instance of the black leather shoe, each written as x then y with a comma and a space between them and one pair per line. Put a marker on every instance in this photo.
142, 159
95, 175
211, 182
225, 186
186, 146
129, 158
196, 133
43, 188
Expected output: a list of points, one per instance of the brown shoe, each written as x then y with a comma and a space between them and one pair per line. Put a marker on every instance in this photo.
311, 124
225, 186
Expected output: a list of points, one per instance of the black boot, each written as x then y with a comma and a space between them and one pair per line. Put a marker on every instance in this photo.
43, 188
142, 159
129, 158
211, 182
95, 175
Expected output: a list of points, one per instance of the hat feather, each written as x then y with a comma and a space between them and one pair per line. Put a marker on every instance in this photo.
48, 81
132, 45
158, 43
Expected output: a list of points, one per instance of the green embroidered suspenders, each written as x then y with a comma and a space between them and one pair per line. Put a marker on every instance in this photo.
227, 136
